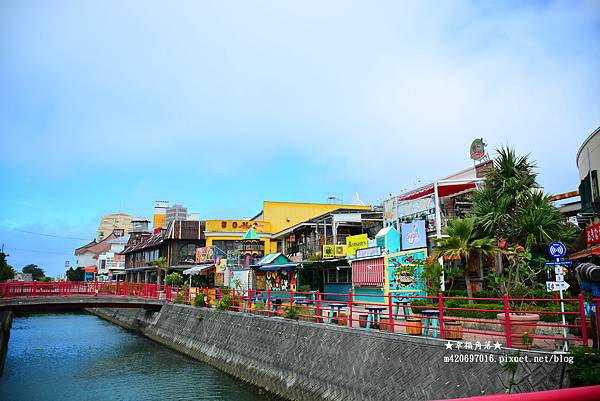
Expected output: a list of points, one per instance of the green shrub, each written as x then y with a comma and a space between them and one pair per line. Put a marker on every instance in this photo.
224, 303
199, 301
290, 312
259, 306
174, 279
180, 297
585, 369
305, 288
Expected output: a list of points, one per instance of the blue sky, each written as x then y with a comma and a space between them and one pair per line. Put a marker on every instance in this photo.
108, 106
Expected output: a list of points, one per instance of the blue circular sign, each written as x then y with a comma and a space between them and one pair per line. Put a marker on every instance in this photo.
557, 250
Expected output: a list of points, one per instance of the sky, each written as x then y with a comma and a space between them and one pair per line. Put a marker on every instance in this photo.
108, 106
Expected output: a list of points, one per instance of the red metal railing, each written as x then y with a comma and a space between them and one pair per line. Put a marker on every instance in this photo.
589, 393
439, 316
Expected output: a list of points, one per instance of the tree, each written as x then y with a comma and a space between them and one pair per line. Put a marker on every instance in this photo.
36, 272
75, 274
463, 242
6, 270
174, 279
161, 266
512, 207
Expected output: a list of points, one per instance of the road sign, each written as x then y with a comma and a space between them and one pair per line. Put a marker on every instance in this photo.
558, 270
557, 285
563, 263
559, 278
557, 249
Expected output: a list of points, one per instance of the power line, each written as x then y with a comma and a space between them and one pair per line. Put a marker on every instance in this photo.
43, 234
34, 251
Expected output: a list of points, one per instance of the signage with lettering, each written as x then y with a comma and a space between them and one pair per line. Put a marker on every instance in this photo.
368, 252
414, 235
356, 242
205, 254
592, 234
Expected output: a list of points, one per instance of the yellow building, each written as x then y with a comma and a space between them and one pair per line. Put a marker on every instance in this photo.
274, 218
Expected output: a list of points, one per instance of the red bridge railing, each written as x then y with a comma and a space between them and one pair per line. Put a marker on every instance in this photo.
449, 318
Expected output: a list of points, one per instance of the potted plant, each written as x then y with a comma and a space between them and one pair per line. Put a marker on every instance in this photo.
518, 278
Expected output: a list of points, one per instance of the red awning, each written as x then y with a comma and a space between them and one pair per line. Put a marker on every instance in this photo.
443, 190
585, 253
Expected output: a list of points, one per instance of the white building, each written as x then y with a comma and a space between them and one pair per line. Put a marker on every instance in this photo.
111, 262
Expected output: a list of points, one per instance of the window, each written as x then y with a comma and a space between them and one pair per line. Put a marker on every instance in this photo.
344, 275
339, 275
187, 254
332, 276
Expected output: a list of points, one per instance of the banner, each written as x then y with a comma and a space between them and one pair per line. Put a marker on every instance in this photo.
355, 242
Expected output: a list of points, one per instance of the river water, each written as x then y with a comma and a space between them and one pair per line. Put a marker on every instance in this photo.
77, 356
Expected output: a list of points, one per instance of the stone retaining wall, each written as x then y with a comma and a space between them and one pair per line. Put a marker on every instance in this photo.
311, 361
6, 318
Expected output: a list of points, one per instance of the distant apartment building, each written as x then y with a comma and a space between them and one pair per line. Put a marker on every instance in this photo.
176, 213
160, 214
119, 223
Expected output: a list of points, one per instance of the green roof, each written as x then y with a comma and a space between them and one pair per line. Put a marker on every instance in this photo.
250, 234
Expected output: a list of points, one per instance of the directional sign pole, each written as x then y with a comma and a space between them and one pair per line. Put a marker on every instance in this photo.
564, 322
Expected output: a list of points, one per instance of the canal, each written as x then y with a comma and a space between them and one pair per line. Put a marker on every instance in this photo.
77, 356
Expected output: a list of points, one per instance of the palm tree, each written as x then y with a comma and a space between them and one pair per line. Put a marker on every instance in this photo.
462, 242
161, 266
512, 207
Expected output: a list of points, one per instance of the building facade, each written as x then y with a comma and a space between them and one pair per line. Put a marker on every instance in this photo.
118, 223
176, 212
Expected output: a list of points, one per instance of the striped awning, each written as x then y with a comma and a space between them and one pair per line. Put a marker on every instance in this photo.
368, 272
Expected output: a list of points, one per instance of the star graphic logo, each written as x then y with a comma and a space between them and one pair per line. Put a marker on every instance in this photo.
448, 345
497, 345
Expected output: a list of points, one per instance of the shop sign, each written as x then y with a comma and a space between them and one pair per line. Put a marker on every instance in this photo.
340, 251
205, 254
592, 234
405, 274
328, 251
368, 252
477, 150
414, 235
356, 242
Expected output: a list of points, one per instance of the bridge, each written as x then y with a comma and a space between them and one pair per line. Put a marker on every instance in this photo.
78, 295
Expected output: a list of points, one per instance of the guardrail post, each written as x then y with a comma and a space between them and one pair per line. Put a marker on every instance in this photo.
390, 312
350, 302
268, 302
441, 309
584, 335
318, 305
507, 322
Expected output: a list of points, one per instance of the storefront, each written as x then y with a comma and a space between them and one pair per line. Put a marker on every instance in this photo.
399, 274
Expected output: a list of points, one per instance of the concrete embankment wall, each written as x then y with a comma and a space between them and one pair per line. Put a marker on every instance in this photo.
6, 318
311, 361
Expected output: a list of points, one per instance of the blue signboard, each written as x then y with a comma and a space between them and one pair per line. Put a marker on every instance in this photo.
414, 235
557, 250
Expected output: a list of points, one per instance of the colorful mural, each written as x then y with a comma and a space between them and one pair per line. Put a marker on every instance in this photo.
405, 274
280, 280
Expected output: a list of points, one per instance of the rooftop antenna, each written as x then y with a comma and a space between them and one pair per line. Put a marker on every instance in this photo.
356, 200
334, 199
